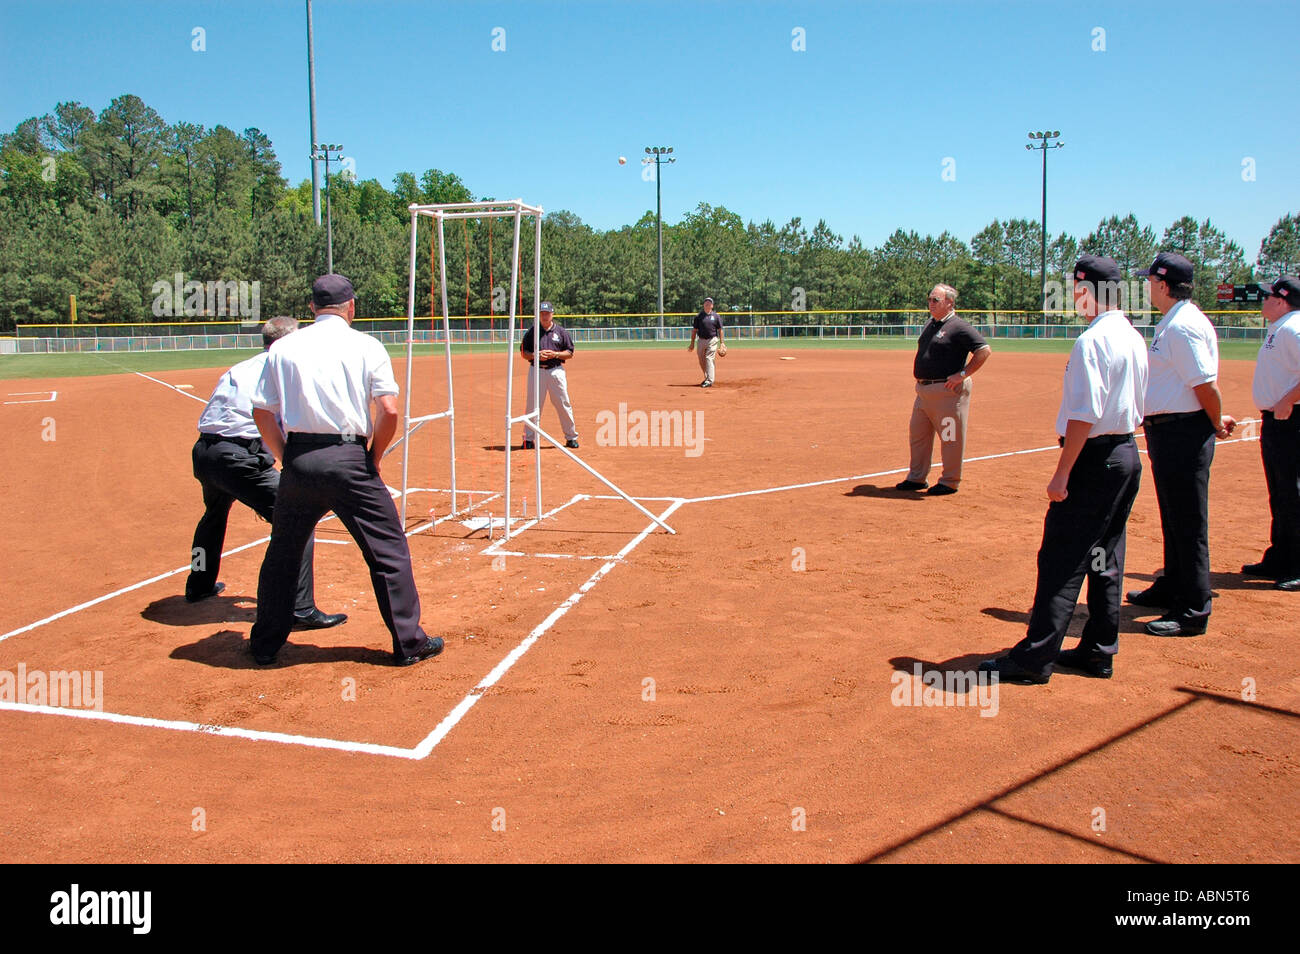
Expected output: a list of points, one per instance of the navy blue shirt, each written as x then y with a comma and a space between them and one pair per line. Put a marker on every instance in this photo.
943, 347
557, 339
708, 325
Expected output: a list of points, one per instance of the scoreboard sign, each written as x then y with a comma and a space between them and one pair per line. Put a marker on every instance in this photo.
1248, 292
1225, 291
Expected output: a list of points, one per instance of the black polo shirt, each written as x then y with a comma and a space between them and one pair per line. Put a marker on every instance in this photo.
557, 339
708, 325
943, 348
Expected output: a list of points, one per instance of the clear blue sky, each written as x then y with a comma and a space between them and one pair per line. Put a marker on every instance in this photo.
854, 129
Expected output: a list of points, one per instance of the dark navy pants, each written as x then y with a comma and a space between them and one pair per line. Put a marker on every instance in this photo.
1181, 451
230, 470
341, 477
1279, 445
1083, 536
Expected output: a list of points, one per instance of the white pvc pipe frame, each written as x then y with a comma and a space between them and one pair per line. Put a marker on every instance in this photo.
516, 209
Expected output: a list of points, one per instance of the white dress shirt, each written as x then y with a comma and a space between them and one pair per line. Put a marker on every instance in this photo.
321, 379
1277, 369
1105, 378
1184, 354
230, 409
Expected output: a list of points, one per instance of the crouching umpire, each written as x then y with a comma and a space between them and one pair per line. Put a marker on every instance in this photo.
231, 464
321, 382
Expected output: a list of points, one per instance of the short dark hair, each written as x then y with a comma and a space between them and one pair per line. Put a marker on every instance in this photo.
1183, 291
277, 328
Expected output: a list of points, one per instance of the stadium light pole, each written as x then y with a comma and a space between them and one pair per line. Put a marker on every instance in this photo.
1045, 142
659, 155
321, 151
311, 109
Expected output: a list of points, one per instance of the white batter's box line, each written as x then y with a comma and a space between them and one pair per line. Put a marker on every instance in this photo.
135, 586
491, 548
643, 499
420, 751
444, 490
367, 748
52, 397
555, 556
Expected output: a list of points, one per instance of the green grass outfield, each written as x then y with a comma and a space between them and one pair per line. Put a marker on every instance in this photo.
122, 362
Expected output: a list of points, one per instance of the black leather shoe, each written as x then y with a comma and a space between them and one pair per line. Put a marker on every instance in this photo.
431, 647
1288, 586
262, 659
940, 490
1152, 596
573, 443
1008, 670
1262, 570
1173, 626
193, 598
318, 620
1082, 663
911, 485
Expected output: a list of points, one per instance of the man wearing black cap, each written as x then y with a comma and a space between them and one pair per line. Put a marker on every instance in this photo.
321, 382
231, 464
1277, 391
556, 347
707, 328
1091, 492
1184, 414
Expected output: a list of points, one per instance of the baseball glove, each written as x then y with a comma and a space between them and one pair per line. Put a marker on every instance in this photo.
722, 351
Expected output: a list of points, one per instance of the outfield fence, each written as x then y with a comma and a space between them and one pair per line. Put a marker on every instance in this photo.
489, 330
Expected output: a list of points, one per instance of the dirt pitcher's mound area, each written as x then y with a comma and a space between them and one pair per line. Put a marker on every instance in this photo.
756, 687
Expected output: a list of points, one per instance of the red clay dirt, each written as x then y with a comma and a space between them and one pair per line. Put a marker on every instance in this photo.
722, 694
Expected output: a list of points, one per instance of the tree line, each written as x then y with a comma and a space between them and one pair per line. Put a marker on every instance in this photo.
110, 206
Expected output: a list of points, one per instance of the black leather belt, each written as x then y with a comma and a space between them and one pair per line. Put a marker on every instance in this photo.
1102, 440
1175, 416
931, 380
552, 367
324, 440
219, 439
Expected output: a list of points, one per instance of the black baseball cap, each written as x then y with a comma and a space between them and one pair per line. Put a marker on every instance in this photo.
1095, 268
1169, 267
331, 290
546, 306
1287, 288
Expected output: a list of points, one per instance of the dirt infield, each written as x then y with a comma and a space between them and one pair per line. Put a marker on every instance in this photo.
727, 693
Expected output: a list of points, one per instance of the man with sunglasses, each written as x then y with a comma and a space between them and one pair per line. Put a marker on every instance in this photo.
943, 389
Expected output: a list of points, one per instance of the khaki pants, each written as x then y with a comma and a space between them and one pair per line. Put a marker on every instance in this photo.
705, 349
555, 386
938, 410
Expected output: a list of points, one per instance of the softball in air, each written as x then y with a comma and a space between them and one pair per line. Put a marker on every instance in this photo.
622, 160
